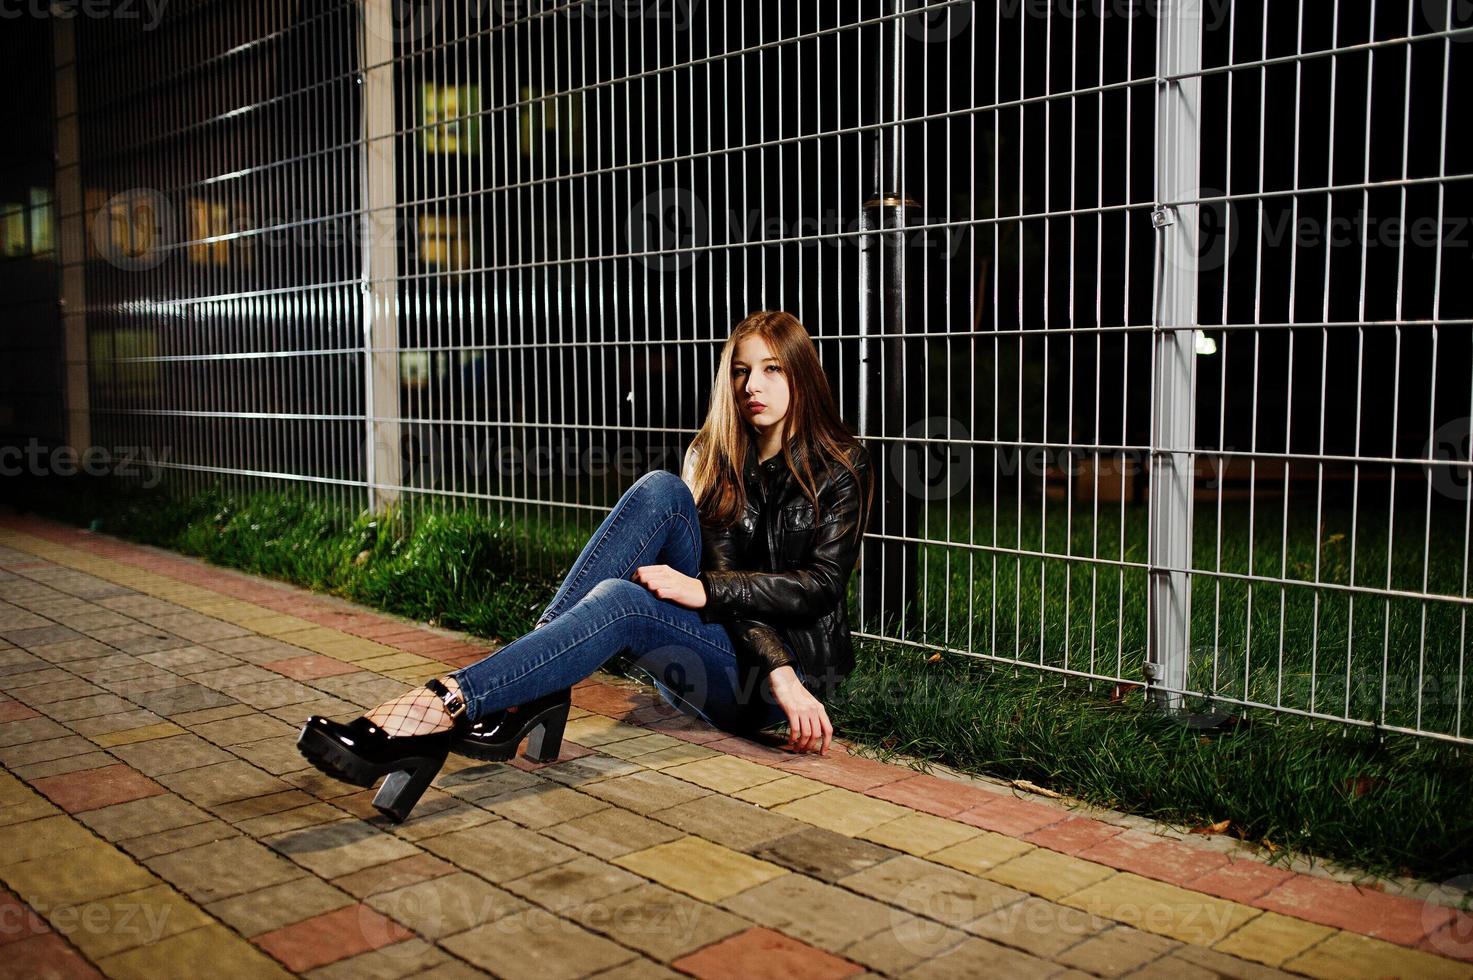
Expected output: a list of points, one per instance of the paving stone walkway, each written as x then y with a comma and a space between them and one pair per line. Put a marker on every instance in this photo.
157, 821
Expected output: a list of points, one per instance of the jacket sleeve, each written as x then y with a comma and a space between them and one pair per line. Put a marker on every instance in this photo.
800, 594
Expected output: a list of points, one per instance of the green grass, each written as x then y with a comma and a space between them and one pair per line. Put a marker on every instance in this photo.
1381, 801
1291, 645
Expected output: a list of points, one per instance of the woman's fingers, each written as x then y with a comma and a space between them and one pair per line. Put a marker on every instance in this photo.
798, 731
805, 744
798, 728
823, 731
809, 729
671, 585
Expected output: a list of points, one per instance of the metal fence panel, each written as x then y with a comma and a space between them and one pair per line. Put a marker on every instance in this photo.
1155, 317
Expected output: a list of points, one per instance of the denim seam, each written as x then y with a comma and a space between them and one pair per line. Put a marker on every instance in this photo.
640, 550
621, 506
695, 542
666, 520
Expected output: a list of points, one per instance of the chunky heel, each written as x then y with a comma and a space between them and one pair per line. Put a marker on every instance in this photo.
402, 789
360, 752
546, 740
495, 738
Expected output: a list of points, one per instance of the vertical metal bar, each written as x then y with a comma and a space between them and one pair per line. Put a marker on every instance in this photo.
1178, 60
1257, 360
1223, 317
1406, 122
1325, 342
72, 239
1099, 321
891, 587
1286, 463
380, 270
499, 229
1018, 432
1125, 319
1048, 338
994, 307
1442, 147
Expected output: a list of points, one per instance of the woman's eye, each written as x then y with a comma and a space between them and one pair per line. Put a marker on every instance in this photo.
773, 367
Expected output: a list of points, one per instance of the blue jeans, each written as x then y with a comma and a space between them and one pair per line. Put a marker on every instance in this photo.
599, 612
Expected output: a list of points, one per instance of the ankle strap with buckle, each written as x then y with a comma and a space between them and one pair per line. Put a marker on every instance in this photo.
454, 703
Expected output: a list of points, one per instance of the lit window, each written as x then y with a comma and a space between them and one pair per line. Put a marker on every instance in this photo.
13, 230
43, 217
414, 368
26, 227
450, 118
107, 347
208, 220
441, 245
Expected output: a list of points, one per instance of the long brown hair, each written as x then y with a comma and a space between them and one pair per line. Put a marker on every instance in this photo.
812, 423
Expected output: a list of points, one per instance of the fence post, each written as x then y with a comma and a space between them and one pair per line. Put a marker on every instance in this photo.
71, 242
1173, 401
889, 578
379, 258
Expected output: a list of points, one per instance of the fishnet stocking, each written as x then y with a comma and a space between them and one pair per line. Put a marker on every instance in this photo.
419, 712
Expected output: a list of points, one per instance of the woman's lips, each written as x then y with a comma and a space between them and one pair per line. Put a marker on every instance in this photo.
755, 406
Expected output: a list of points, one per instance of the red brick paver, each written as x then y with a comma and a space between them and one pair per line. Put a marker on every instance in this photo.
331, 936
49, 956
1357, 909
1151, 856
931, 794
92, 789
1241, 880
1455, 939
18, 920
610, 700
849, 771
15, 711
1073, 835
765, 954
1010, 816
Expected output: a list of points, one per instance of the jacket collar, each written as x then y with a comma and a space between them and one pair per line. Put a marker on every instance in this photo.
749, 466
751, 477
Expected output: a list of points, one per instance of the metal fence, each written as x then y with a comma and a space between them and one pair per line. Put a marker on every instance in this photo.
1156, 317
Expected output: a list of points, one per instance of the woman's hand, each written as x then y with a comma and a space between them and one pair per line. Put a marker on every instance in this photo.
809, 729
667, 583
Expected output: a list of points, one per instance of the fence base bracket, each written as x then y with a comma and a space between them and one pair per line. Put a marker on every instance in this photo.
1208, 722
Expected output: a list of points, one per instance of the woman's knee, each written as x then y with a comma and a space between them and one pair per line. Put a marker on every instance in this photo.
663, 485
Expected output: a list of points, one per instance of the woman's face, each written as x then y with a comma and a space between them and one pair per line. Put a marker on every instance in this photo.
760, 383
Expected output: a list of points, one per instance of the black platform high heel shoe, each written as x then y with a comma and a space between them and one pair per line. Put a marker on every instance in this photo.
360, 752
495, 738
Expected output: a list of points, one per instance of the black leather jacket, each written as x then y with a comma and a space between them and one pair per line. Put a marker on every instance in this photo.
794, 607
